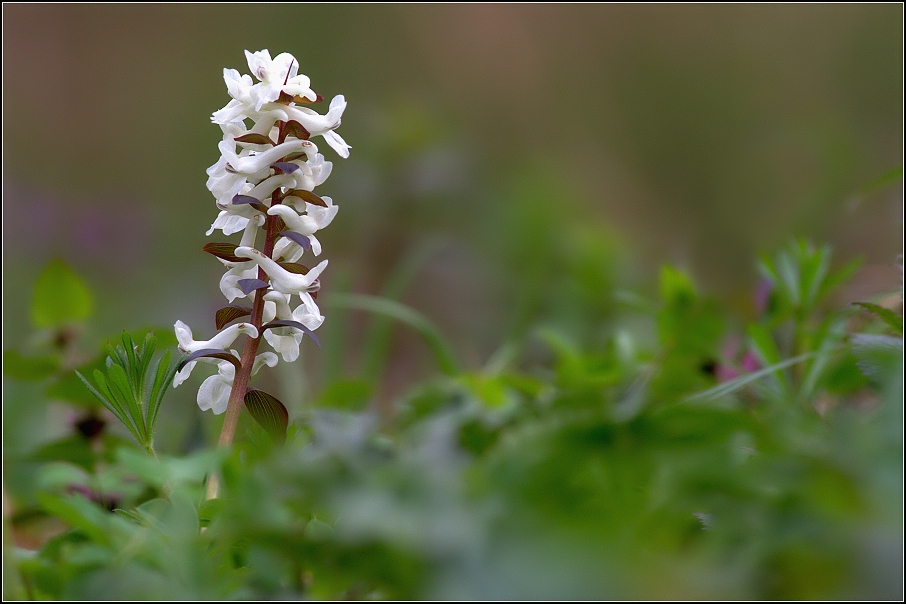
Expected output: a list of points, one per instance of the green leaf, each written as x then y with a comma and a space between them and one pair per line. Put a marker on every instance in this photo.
762, 344
414, 319
877, 354
75, 449
133, 370
79, 513
744, 380
269, 412
106, 398
163, 378
676, 287
133, 517
840, 276
894, 320
815, 266
60, 297
119, 383
117, 355
892, 176
31, 369
827, 343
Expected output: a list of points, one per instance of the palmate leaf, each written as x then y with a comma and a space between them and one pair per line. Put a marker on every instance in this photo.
120, 385
163, 377
104, 398
269, 412
134, 385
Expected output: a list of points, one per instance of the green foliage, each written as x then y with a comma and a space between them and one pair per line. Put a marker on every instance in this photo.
134, 385
408, 316
893, 320
60, 297
564, 468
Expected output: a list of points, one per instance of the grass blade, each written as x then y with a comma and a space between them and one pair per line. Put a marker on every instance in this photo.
744, 380
443, 355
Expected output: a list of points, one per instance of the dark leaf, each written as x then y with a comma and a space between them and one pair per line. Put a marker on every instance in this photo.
230, 313
307, 196
223, 251
295, 156
214, 353
296, 129
269, 412
249, 285
294, 324
299, 238
255, 139
286, 167
295, 267
252, 201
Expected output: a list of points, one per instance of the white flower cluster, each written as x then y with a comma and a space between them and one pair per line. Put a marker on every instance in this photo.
263, 181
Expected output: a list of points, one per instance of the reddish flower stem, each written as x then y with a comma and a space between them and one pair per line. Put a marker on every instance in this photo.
241, 381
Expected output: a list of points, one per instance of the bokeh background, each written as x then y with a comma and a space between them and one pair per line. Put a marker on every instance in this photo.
509, 163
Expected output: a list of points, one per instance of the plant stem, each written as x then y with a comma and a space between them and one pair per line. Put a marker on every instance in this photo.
241, 381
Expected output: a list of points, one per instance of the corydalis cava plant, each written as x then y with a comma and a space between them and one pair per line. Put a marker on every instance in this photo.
263, 187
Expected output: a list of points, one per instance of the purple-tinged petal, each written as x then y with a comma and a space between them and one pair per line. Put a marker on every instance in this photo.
249, 285
295, 324
285, 166
299, 238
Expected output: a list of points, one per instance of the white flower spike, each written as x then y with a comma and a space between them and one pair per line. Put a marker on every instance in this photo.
263, 183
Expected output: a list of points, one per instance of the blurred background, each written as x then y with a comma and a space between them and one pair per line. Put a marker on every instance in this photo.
509, 163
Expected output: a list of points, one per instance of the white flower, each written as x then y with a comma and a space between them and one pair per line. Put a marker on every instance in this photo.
285, 340
315, 218
282, 280
255, 170
276, 76
229, 283
214, 392
220, 341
